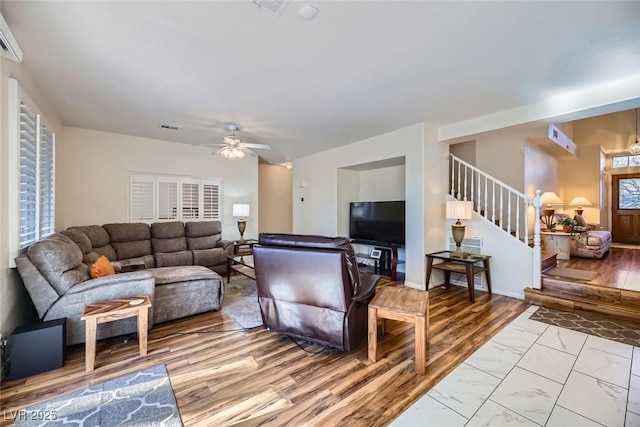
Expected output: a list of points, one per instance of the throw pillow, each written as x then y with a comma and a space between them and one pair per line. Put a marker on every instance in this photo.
102, 267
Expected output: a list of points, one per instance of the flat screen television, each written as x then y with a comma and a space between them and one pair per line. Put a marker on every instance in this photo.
377, 222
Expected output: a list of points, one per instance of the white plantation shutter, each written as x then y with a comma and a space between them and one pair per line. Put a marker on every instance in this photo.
47, 182
173, 198
141, 198
190, 199
211, 199
167, 198
29, 125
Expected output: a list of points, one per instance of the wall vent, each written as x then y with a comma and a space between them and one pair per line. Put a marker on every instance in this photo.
8, 44
276, 7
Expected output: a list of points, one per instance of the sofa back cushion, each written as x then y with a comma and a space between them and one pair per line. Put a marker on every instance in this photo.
169, 244
100, 243
59, 260
203, 234
130, 240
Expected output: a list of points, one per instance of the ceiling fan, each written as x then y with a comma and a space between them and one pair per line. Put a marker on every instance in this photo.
234, 148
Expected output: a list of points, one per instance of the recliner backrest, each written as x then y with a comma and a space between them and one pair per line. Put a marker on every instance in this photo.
169, 244
131, 240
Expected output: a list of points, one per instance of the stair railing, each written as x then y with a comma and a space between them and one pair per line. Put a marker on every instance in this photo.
500, 204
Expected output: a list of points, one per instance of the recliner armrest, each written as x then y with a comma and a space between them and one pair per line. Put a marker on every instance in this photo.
224, 244
368, 283
114, 279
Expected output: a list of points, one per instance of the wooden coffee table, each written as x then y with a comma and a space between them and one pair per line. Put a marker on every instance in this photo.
405, 305
108, 311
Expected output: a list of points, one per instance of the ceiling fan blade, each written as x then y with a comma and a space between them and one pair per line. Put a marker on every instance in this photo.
259, 146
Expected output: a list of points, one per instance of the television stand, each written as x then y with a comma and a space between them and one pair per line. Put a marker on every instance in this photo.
387, 264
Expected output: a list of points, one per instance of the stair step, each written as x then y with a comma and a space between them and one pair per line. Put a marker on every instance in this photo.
627, 305
548, 260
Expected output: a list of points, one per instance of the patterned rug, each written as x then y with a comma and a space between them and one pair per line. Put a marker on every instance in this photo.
143, 398
625, 331
241, 302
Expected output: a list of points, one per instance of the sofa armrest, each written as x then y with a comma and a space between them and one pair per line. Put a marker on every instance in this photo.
224, 244
368, 283
113, 281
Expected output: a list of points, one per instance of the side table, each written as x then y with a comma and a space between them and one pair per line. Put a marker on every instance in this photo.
459, 262
108, 311
556, 242
405, 305
243, 247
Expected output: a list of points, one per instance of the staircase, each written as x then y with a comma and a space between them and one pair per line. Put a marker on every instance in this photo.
500, 205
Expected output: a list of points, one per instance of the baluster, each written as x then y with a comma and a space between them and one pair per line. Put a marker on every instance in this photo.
473, 174
486, 197
466, 168
509, 212
517, 217
493, 203
501, 209
478, 198
452, 174
457, 195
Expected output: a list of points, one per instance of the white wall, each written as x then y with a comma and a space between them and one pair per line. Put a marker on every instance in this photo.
383, 184
275, 199
418, 144
96, 177
15, 305
348, 190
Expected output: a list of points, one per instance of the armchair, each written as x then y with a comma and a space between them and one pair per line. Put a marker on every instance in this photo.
309, 287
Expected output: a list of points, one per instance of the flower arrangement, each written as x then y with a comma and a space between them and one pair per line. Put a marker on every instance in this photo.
568, 224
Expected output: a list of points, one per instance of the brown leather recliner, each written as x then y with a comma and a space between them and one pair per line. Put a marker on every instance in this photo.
309, 287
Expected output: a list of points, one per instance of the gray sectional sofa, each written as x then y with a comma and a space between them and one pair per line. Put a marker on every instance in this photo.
181, 264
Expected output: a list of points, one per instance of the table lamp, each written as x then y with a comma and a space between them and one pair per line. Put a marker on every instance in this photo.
550, 199
241, 211
580, 201
458, 210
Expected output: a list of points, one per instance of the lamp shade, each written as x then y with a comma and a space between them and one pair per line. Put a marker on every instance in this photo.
550, 198
240, 210
458, 209
580, 201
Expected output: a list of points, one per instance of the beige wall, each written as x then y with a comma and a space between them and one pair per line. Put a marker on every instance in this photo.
614, 132
501, 155
98, 163
275, 199
15, 305
465, 151
580, 176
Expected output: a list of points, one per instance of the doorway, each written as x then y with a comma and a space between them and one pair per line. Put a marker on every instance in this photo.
625, 204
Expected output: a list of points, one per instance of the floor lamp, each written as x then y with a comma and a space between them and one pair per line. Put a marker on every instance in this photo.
241, 211
550, 199
458, 210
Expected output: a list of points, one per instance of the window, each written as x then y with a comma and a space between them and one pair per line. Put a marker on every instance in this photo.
625, 161
32, 175
155, 198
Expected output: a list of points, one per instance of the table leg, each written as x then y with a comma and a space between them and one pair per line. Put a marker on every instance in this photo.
90, 344
469, 267
373, 333
447, 279
143, 326
421, 344
229, 264
429, 264
487, 274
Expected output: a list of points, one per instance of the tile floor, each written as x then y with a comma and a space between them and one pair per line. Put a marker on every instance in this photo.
535, 374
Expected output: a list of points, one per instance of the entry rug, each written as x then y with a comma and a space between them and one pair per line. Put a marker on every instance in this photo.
571, 273
143, 398
241, 302
624, 331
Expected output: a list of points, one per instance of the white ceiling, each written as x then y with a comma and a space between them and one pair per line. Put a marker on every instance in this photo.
361, 68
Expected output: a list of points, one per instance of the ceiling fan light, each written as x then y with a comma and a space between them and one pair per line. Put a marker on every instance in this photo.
232, 153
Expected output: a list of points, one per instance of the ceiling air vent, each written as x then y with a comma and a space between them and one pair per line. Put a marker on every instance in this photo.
8, 44
168, 127
274, 6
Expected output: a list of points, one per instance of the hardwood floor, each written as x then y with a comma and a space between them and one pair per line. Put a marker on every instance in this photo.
619, 268
223, 376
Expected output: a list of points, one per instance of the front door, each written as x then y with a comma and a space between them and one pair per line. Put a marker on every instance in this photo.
625, 202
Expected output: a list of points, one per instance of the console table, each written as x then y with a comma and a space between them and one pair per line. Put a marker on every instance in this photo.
556, 242
460, 262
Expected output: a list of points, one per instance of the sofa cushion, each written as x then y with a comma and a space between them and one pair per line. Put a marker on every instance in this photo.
100, 243
165, 275
59, 260
79, 238
203, 234
210, 257
130, 240
102, 267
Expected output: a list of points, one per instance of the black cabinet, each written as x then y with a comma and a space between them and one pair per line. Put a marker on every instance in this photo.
386, 264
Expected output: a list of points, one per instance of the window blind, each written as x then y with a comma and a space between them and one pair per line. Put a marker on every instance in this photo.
190, 200
167, 198
141, 198
29, 124
211, 200
47, 182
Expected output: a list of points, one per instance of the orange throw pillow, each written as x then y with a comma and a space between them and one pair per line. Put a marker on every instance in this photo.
102, 267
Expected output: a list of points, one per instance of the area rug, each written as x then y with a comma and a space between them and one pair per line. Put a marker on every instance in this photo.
241, 302
144, 398
571, 273
625, 331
